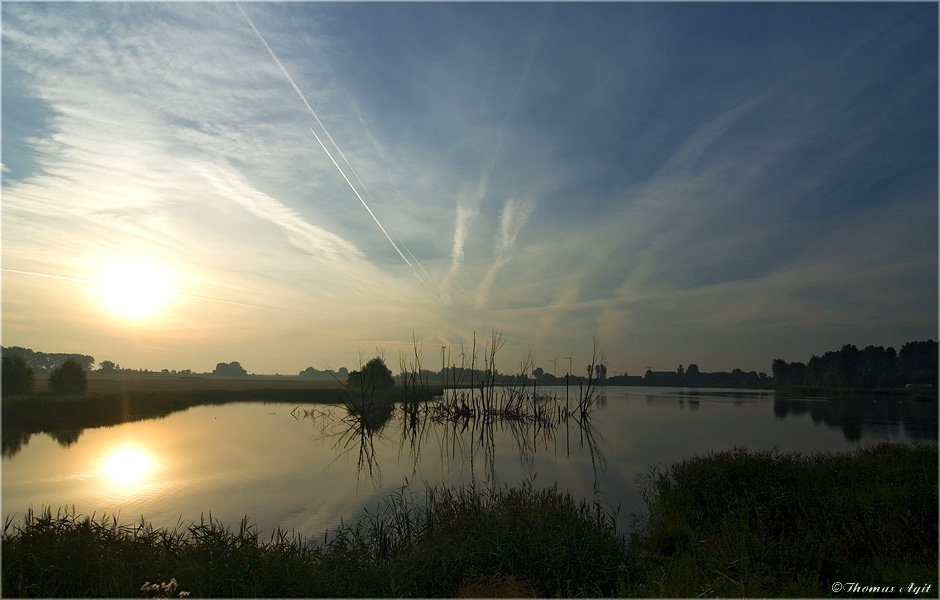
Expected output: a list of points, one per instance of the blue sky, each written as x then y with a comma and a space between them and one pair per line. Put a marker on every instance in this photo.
719, 184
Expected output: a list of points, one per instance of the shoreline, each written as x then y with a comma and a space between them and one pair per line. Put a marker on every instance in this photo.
734, 523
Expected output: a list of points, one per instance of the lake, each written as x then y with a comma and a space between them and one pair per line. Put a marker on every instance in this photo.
307, 468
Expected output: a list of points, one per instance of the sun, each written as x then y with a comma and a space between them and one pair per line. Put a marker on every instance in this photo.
135, 287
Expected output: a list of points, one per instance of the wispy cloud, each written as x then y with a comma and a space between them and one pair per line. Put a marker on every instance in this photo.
306, 236
718, 198
468, 208
511, 221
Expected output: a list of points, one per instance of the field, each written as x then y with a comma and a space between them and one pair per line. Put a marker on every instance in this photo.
101, 384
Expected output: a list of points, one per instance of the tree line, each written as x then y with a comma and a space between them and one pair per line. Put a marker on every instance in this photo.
691, 376
45, 362
870, 368
18, 376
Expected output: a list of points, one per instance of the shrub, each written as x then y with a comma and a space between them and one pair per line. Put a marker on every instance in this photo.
17, 375
374, 376
68, 378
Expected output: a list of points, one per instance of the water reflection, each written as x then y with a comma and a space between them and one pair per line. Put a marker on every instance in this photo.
310, 470
885, 417
356, 430
65, 422
467, 427
127, 465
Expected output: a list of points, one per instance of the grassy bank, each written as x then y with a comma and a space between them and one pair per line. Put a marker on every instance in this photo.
770, 524
732, 524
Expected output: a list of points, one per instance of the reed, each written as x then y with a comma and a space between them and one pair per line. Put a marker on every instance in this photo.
741, 523
733, 523
456, 538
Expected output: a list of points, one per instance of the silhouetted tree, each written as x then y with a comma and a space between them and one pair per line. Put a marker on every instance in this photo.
917, 362
788, 373
232, 369
68, 378
374, 376
17, 375
871, 367
44, 362
107, 366
877, 367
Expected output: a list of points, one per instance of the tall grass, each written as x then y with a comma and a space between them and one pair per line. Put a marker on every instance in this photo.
456, 538
741, 523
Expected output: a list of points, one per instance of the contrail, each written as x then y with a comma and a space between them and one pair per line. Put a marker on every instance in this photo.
414, 258
355, 191
330, 138
50, 276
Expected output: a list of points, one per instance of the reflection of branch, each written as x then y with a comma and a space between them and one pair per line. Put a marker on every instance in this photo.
598, 461
356, 431
467, 422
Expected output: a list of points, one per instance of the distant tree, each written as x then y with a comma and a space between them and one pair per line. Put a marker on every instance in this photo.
781, 371
788, 373
692, 374
845, 370
107, 366
538, 372
232, 369
68, 378
17, 375
877, 367
917, 362
815, 370
44, 362
374, 376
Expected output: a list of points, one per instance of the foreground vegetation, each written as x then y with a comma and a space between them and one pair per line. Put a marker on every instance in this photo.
752, 524
735, 523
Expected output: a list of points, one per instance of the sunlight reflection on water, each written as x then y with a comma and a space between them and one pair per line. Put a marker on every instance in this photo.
127, 465
260, 460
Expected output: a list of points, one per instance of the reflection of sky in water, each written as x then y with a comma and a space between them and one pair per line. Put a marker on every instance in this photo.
257, 460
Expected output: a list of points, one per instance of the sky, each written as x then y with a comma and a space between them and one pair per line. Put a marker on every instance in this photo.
303, 184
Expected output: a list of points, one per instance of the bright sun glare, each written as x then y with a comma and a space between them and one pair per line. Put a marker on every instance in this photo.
127, 465
135, 287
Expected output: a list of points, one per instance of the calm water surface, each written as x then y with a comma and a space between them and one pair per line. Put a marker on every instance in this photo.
305, 469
